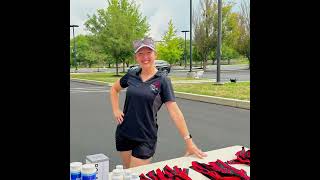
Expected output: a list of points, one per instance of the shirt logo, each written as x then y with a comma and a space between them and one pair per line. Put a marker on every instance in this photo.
155, 87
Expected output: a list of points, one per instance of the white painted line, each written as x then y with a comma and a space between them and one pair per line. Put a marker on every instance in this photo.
84, 91
90, 88
87, 91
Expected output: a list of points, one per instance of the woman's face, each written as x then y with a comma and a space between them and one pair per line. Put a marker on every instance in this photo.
145, 57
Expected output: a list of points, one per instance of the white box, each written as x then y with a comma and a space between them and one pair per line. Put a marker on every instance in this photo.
101, 162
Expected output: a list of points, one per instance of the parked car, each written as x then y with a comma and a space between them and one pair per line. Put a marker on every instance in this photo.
161, 65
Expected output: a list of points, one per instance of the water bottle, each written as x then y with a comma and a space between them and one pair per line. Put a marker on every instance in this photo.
75, 170
134, 176
127, 174
117, 174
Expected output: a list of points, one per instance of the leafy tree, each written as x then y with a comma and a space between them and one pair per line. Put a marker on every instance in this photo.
244, 26
182, 46
82, 48
117, 27
170, 48
206, 28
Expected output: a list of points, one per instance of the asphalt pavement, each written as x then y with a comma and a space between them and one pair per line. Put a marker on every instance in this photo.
92, 126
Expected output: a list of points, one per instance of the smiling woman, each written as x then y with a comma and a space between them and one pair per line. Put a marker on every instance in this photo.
147, 89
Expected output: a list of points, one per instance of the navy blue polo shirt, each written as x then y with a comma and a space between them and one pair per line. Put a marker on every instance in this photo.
143, 101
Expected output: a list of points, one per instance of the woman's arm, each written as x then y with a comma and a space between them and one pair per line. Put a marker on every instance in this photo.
178, 119
114, 96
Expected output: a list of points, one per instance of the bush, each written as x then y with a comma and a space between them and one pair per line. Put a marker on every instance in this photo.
229, 53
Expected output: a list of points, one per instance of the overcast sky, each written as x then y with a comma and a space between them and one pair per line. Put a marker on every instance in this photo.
158, 13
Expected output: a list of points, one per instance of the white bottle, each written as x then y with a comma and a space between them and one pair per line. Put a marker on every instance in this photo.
117, 174
75, 170
127, 174
134, 176
88, 172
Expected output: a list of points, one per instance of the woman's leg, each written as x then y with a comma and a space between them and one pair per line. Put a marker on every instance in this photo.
139, 162
126, 158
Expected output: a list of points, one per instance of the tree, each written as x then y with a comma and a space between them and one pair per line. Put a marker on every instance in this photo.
206, 29
82, 50
170, 48
204, 32
182, 46
244, 24
117, 27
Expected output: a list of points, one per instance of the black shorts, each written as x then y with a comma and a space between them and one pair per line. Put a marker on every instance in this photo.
141, 150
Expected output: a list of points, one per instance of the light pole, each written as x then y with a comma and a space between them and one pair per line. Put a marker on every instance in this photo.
219, 40
185, 48
74, 46
190, 36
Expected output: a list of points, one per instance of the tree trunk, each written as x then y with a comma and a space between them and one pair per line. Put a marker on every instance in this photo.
205, 64
117, 71
123, 65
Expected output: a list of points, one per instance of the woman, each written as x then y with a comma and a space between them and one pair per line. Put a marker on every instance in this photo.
147, 90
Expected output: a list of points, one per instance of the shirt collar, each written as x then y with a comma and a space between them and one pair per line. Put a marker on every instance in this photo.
158, 73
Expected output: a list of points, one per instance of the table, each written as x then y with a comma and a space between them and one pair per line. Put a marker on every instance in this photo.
224, 154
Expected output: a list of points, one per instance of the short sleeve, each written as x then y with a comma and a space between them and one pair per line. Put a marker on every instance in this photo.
124, 81
167, 93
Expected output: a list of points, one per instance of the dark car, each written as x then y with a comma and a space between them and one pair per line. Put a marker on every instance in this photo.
161, 65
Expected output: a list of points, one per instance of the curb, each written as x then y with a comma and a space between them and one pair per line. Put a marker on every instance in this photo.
214, 100
243, 104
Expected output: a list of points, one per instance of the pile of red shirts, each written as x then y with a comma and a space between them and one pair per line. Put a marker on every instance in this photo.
243, 157
219, 170
167, 174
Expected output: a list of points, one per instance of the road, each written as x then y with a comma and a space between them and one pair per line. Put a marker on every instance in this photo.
92, 126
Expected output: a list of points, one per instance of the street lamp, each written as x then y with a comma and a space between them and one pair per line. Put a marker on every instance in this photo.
74, 45
219, 40
185, 46
190, 36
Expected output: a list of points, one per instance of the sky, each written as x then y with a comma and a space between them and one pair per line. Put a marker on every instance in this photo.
158, 13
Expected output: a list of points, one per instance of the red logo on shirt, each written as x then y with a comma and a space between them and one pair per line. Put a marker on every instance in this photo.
155, 87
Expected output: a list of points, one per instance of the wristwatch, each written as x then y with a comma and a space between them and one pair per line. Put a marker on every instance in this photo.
188, 137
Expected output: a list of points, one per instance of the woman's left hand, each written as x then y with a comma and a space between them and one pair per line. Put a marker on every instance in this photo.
191, 148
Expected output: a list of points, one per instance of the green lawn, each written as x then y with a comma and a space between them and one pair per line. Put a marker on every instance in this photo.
110, 78
104, 77
239, 90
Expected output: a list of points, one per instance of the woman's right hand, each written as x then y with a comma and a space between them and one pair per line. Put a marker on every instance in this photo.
118, 115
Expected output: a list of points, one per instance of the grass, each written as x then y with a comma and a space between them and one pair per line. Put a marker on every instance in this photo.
104, 77
239, 90
110, 78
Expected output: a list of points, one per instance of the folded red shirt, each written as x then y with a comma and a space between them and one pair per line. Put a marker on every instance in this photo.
219, 170
243, 157
167, 174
